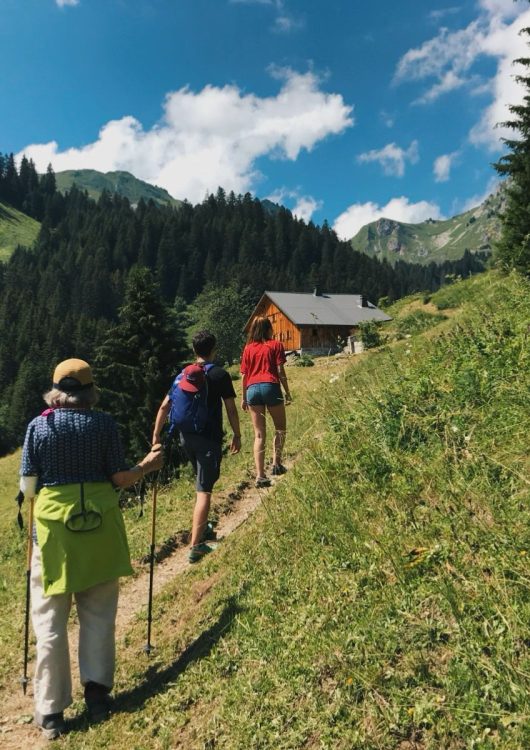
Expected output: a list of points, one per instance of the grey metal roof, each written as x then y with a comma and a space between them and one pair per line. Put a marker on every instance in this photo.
325, 309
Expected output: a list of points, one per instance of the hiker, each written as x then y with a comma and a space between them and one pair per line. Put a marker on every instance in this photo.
73, 461
262, 368
201, 388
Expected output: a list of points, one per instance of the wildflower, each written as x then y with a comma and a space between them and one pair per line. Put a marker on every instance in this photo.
349, 681
410, 711
454, 428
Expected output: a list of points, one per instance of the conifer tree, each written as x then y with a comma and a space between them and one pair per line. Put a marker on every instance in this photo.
137, 360
513, 248
224, 311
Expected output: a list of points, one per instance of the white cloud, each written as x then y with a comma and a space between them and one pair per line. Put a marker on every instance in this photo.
442, 166
284, 21
448, 59
283, 24
437, 15
503, 8
64, 3
399, 209
448, 51
210, 138
388, 119
304, 205
392, 158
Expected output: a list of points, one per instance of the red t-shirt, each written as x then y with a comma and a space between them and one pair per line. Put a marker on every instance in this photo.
260, 360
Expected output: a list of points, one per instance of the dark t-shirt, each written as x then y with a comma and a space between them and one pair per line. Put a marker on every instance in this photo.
220, 387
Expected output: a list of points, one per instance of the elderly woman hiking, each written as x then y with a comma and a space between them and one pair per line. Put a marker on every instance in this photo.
73, 461
262, 367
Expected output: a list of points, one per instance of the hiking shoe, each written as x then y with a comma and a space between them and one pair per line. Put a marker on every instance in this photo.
263, 482
52, 725
209, 534
198, 551
98, 702
278, 469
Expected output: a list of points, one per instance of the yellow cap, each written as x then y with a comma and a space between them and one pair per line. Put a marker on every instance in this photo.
73, 375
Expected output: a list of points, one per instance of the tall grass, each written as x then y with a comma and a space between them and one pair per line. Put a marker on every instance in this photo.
380, 598
383, 592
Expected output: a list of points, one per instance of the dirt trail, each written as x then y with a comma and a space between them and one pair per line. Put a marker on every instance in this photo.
17, 731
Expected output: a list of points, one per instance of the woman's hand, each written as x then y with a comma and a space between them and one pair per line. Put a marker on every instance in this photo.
288, 399
244, 405
154, 460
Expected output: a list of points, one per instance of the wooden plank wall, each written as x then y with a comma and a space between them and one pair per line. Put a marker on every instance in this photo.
283, 329
321, 337
305, 337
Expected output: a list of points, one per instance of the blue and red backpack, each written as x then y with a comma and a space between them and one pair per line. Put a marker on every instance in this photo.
189, 411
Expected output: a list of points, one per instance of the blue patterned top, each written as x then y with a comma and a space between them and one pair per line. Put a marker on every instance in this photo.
66, 446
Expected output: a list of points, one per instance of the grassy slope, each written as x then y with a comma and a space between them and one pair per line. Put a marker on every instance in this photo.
380, 597
15, 229
123, 183
175, 507
474, 230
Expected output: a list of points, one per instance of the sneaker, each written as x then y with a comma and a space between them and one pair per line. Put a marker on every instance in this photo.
263, 482
277, 470
209, 535
198, 551
52, 725
98, 702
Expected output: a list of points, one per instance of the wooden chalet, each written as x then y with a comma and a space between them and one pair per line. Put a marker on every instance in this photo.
315, 322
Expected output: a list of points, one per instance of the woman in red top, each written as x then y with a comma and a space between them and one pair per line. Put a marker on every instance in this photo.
262, 369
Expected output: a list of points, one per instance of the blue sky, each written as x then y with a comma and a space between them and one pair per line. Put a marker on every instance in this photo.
340, 109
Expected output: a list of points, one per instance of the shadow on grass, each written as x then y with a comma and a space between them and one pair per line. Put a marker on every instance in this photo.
158, 680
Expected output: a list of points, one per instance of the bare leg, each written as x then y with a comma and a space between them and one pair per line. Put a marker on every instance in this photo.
280, 426
260, 432
200, 516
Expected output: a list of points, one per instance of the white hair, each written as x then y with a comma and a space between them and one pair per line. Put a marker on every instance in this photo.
80, 400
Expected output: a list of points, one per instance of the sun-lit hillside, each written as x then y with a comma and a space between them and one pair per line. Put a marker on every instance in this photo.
15, 229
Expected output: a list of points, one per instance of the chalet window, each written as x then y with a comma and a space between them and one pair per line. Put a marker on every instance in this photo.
315, 332
288, 335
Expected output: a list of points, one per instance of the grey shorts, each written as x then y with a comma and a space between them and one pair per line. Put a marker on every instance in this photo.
205, 456
264, 394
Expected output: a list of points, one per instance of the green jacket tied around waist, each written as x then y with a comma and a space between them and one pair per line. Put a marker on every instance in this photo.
82, 537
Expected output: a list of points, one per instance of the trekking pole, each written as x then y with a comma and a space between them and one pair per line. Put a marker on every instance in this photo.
148, 646
24, 679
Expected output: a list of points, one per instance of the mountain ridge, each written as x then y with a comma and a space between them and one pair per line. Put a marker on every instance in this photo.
121, 182
435, 240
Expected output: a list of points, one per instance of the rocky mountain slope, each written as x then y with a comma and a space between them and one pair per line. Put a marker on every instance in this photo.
433, 240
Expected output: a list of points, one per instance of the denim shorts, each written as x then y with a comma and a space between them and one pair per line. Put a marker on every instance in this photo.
264, 394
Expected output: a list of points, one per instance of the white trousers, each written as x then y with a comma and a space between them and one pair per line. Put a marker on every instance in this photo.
96, 610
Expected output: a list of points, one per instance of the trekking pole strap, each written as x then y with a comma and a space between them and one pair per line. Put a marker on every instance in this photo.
20, 500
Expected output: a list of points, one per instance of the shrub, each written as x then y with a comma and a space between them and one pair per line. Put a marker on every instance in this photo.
304, 360
370, 334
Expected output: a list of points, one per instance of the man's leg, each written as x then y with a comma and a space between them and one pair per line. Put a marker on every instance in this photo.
208, 456
200, 516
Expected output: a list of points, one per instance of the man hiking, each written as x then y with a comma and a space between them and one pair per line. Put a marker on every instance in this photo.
194, 408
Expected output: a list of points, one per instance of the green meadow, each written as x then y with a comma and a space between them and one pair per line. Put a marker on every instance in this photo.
379, 598
15, 229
